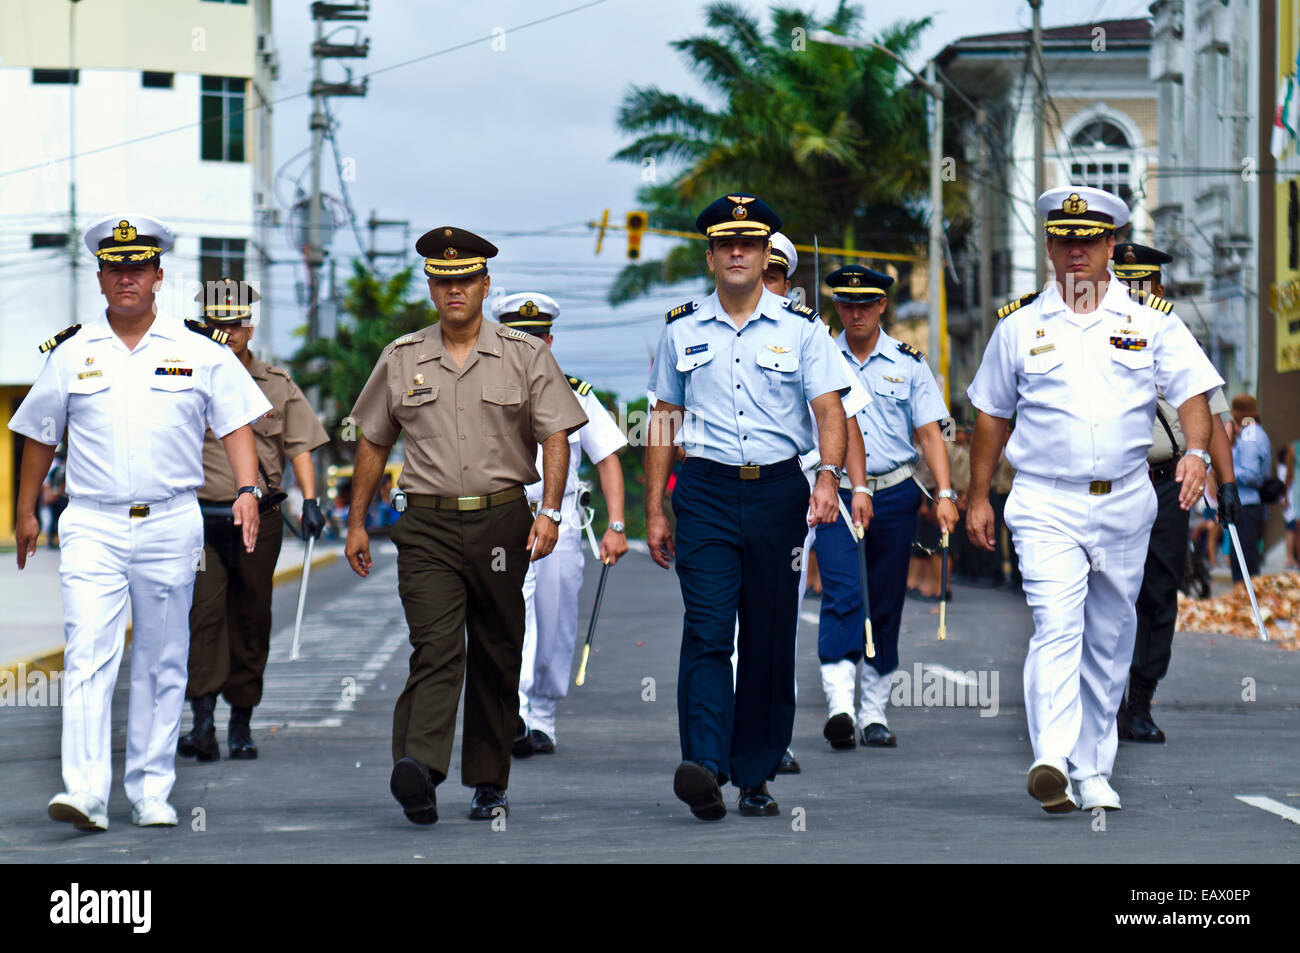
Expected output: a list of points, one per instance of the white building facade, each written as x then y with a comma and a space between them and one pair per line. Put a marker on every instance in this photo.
159, 107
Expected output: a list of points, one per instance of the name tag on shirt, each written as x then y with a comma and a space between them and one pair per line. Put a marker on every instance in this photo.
1042, 349
697, 348
82, 375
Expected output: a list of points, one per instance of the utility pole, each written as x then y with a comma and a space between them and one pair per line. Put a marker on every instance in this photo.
985, 213
374, 224
936, 220
1040, 167
321, 50
74, 240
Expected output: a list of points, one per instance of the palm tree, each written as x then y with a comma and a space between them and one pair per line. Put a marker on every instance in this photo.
828, 136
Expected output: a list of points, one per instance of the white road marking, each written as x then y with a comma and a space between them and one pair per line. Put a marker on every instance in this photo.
957, 678
1272, 806
813, 618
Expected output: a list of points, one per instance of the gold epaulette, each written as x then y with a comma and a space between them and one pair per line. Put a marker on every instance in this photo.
515, 334
580, 387
1152, 301
208, 331
682, 309
59, 338
914, 353
800, 309
1016, 305
405, 339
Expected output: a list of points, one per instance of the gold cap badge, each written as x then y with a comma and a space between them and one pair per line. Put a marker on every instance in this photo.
528, 310
854, 280
1073, 205
125, 232
450, 253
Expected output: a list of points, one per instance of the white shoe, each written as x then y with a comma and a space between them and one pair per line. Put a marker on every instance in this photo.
83, 811
1049, 782
1095, 792
153, 812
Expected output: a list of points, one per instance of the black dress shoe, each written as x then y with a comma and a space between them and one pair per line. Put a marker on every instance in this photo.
839, 731
788, 763
413, 787
523, 744
487, 798
201, 741
756, 802
878, 736
697, 785
1141, 727
1122, 721
240, 737
542, 743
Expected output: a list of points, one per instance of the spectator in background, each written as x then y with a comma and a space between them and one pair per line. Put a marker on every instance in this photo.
1251, 459
54, 496
1286, 473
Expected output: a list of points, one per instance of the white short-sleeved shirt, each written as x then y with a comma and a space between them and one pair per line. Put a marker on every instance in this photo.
854, 401
135, 420
598, 438
1083, 386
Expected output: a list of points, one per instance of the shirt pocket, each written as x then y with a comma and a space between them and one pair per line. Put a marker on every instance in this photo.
270, 426
88, 403
1043, 363
1133, 360
502, 405
892, 390
174, 401
688, 359
415, 416
780, 371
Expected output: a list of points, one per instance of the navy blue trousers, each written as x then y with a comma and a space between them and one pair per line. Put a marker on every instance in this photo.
889, 544
738, 545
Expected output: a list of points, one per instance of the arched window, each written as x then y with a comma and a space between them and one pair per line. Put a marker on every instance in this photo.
1102, 158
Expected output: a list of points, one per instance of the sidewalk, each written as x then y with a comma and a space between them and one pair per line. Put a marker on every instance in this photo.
31, 622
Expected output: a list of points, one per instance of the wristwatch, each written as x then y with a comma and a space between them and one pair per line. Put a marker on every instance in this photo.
836, 472
554, 515
1201, 455
255, 490
618, 527
946, 495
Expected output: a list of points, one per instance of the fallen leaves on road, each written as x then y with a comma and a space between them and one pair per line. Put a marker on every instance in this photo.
1230, 614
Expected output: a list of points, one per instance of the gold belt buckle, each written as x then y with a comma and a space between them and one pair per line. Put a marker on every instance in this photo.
466, 504
749, 471
1099, 487
138, 511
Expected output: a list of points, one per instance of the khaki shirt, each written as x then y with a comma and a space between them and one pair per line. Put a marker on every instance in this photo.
1160, 450
469, 430
288, 428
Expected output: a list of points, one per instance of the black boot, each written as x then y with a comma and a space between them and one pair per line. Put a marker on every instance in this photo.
240, 737
201, 741
1122, 719
1141, 727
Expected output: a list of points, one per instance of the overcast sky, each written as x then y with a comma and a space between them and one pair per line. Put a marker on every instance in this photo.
520, 140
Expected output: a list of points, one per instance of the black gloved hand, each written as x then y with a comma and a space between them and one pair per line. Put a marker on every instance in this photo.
1229, 504
313, 521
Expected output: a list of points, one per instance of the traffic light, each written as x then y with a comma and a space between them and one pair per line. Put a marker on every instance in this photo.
636, 222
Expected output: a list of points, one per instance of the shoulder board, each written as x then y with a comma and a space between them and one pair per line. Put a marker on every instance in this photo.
59, 338
689, 307
581, 388
406, 339
515, 334
1151, 301
910, 351
1017, 304
282, 372
215, 334
800, 309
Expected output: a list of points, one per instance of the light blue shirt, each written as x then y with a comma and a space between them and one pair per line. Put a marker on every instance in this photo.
905, 396
1252, 457
746, 391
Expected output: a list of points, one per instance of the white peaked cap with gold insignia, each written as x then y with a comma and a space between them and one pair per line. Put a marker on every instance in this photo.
527, 310
129, 238
1080, 211
783, 253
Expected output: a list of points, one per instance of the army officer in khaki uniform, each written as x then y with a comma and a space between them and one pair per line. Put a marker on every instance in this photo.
474, 400
230, 620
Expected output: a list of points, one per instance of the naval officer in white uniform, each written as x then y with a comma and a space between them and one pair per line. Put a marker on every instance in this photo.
1078, 364
552, 585
134, 390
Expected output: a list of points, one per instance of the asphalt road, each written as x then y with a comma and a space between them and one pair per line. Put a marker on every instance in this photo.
952, 791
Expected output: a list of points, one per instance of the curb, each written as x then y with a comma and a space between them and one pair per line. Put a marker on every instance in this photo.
52, 660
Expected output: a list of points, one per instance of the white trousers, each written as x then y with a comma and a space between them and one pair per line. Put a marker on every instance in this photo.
1082, 557
837, 683
107, 559
551, 590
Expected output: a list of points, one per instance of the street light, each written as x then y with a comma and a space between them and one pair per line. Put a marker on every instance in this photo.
929, 83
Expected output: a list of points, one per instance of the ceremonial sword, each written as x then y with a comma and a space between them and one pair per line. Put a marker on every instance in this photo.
943, 586
1245, 577
859, 536
302, 597
600, 594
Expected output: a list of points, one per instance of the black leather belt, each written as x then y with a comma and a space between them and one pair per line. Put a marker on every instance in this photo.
766, 471
1162, 472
